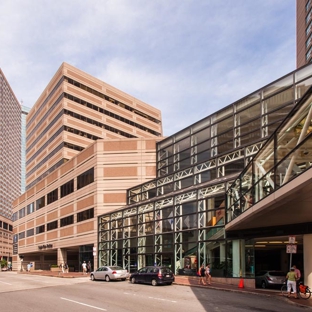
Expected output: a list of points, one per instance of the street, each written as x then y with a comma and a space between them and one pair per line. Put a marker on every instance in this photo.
22, 292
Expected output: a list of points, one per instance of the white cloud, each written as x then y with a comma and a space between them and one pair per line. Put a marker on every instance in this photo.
188, 58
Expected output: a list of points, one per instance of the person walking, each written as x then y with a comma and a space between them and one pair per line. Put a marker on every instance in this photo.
208, 275
298, 277
291, 282
66, 267
202, 275
84, 268
88, 267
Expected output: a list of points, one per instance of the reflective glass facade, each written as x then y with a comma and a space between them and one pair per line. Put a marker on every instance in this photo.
179, 218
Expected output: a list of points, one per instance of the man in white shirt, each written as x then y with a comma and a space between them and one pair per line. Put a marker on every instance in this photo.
84, 268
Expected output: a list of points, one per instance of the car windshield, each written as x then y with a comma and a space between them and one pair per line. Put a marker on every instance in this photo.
116, 268
277, 273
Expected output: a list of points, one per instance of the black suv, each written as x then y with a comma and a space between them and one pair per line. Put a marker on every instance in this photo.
154, 275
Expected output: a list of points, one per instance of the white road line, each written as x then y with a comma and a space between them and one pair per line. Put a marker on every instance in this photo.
5, 283
153, 298
84, 304
162, 299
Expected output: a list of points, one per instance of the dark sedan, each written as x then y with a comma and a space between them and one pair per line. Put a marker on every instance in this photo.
155, 275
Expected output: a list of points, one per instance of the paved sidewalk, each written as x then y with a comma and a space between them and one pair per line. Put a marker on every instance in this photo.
191, 281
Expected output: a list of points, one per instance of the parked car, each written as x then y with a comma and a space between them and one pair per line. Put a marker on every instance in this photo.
270, 278
154, 275
108, 273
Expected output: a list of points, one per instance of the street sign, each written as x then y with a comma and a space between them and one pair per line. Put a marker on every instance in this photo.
291, 249
292, 239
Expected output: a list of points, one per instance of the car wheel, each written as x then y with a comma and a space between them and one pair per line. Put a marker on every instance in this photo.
133, 280
154, 282
263, 284
92, 277
107, 279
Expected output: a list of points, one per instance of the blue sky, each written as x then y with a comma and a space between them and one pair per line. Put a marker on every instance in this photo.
188, 58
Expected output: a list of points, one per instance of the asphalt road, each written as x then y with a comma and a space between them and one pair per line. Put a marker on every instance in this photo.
28, 293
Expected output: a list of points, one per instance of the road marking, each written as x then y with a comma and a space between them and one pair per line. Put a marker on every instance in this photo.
153, 298
162, 299
5, 283
84, 304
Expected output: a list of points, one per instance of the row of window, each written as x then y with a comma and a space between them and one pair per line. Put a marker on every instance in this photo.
67, 188
6, 226
81, 216
308, 5
110, 114
114, 101
49, 156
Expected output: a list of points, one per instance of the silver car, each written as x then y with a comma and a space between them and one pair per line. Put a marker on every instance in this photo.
108, 273
270, 278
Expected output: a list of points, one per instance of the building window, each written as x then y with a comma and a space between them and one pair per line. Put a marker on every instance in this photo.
40, 229
30, 208
67, 188
21, 235
10, 227
85, 215
21, 213
52, 196
67, 220
40, 203
15, 216
85, 178
5, 225
30, 232
52, 225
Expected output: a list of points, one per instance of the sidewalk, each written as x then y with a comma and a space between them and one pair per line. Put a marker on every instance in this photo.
192, 281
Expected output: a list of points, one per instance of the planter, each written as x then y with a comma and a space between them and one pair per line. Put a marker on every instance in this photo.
55, 269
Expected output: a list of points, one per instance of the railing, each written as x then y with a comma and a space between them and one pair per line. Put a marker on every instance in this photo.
287, 154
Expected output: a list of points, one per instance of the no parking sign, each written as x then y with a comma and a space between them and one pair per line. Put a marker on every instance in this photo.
291, 249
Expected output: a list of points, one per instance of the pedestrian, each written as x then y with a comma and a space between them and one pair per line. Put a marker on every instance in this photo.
89, 267
61, 267
208, 275
202, 275
84, 268
291, 282
66, 267
298, 277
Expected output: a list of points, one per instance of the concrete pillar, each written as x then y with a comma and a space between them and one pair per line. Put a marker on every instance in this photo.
61, 256
307, 256
238, 249
222, 252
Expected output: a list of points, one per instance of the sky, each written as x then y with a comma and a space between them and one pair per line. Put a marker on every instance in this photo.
188, 58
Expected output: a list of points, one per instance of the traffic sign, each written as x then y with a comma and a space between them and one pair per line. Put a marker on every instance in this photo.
292, 239
291, 248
